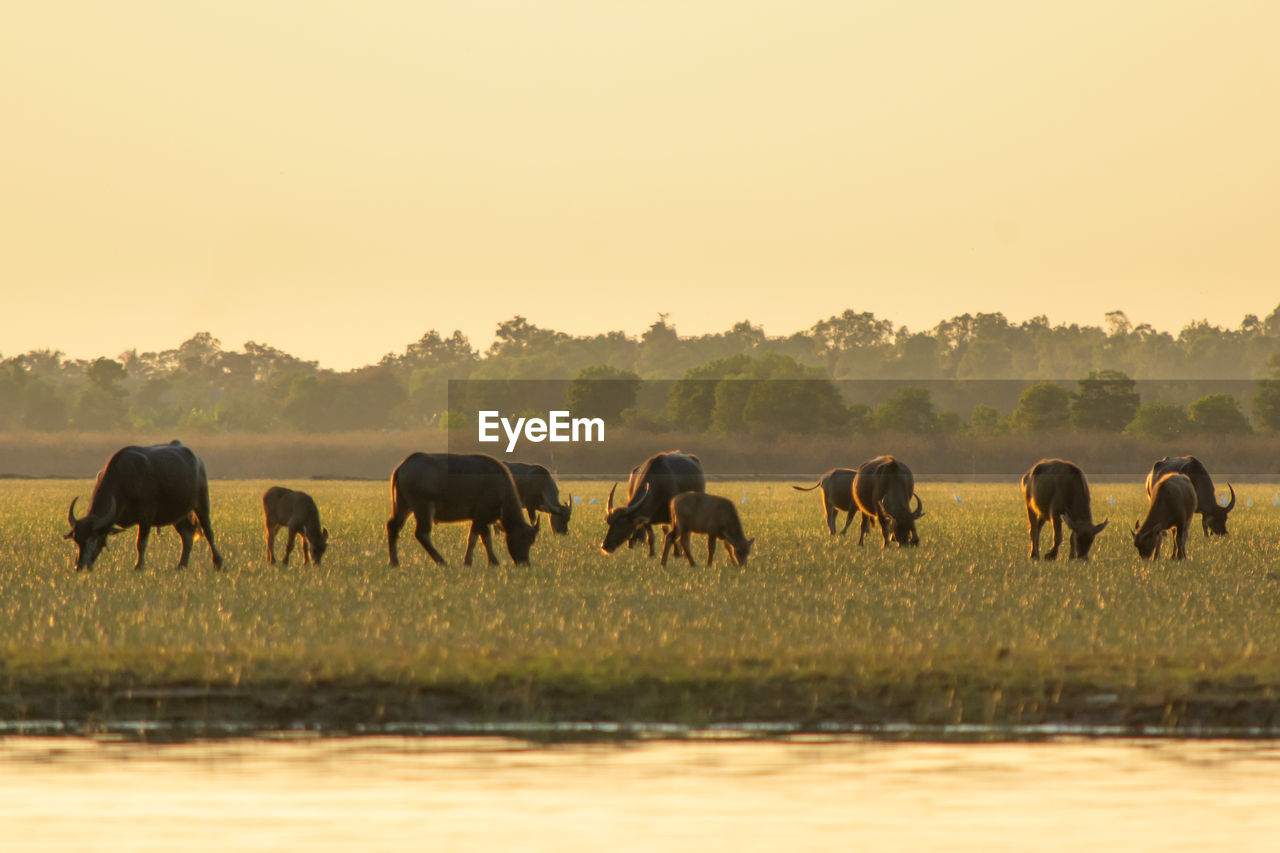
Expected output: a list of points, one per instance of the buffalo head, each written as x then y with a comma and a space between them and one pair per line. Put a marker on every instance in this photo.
1215, 516
623, 522
520, 540
903, 527
90, 533
319, 546
1146, 542
1082, 535
560, 518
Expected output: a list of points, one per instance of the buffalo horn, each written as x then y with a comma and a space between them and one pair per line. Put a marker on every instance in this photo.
919, 511
608, 507
1232, 505
71, 512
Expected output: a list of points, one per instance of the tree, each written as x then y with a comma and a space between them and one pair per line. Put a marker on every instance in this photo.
1219, 414
908, 410
602, 391
986, 421
42, 407
1266, 399
1041, 407
1161, 421
1106, 401
103, 404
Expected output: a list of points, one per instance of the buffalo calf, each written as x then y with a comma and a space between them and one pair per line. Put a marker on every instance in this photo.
696, 512
298, 513
1173, 504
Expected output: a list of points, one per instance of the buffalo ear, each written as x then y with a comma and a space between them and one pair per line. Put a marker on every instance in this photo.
324, 534
115, 530
1101, 527
69, 534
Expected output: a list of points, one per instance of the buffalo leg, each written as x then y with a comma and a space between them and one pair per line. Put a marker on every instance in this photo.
533, 515
394, 525
885, 530
144, 533
1052, 553
186, 530
711, 548
1204, 522
831, 512
648, 537
423, 520
1034, 524
271, 542
1180, 541
306, 550
206, 528
863, 526
288, 547
848, 519
668, 541
684, 543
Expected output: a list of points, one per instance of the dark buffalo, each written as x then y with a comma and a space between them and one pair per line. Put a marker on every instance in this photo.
150, 487
539, 493
694, 512
649, 493
1173, 503
1057, 490
882, 489
458, 487
296, 512
837, 496
1213, 516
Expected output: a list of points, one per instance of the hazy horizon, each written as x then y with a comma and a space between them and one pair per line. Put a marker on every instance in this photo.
335, 179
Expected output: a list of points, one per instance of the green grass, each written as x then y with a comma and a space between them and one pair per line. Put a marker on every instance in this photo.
963, 628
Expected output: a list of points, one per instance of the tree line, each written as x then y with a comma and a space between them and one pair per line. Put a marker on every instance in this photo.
850, 372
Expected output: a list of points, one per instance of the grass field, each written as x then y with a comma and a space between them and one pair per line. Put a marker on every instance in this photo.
964, 628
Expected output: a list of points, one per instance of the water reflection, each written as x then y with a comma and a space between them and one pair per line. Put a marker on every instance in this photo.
805, 792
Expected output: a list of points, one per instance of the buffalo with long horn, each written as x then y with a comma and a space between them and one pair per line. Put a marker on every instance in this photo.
649, 492
148, 487
1213, 515
883, 489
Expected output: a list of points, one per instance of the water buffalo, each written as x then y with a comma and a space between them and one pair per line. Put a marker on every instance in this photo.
150, 487
1173, 503
458, 487
649, 493
539, 493
1057, 490
1213, 516
695, 512
298, 513
837, 496
882, 489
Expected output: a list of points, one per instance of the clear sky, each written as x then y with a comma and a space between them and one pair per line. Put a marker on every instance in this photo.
334, 178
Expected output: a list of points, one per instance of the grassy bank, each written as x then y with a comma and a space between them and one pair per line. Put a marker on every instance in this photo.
963, 629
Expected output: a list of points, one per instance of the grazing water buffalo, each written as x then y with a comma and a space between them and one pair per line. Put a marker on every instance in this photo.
539, 493
695, 512
1213, 516
883, 488
649, 493
298, 513
837, 496
1173, 503
150, 487
458, 487
1057, 490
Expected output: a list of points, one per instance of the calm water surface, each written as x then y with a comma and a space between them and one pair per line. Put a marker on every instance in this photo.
383, 793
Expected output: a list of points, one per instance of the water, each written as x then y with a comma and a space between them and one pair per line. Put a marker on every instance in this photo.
719, 792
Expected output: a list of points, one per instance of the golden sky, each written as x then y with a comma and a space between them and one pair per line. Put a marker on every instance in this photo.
334, 178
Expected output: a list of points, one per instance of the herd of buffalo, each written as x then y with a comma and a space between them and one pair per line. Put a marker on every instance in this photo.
167, 485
